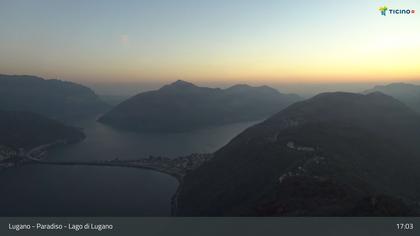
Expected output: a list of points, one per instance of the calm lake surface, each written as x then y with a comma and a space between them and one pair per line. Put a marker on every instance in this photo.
37, 190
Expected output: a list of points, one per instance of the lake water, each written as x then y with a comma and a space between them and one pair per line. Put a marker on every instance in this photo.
37, 190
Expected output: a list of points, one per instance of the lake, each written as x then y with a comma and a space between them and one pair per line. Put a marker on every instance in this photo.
38, 190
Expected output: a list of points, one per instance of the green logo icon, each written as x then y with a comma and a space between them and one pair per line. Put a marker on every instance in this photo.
383, 10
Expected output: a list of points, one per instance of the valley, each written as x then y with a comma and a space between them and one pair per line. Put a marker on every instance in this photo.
332, 154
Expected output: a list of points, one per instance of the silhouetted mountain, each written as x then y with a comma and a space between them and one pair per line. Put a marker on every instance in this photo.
336, 154
182, 106
52, 98
113, 100
28, 130
406, 93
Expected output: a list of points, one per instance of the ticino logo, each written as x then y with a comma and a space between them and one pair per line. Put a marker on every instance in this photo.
384, 10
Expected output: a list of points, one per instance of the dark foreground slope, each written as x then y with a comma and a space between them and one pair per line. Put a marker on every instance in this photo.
406, 93
27, 130
334, 154
182, 106
55, 99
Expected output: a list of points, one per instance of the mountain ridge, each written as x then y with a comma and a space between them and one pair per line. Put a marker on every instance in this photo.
326, 156
27, 130
192, 107
56, 99
405, 92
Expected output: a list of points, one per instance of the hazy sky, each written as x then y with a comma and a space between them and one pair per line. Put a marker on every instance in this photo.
277, 41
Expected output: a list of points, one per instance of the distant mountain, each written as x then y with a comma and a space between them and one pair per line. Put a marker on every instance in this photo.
113, 100
406, 93
182, 106
336, 154
52, 98
27, 130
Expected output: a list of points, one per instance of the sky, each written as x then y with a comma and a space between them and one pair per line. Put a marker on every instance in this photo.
264, 41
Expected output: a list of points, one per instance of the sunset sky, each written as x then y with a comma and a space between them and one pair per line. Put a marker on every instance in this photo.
237, 40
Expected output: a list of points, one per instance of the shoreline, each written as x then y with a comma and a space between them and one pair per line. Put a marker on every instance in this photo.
175, 167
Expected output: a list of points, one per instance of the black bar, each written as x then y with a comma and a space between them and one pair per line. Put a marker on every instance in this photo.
220, 226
